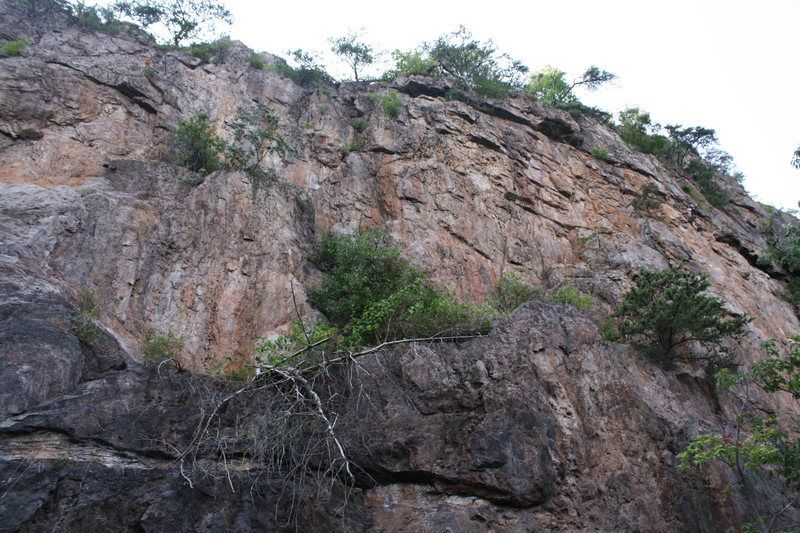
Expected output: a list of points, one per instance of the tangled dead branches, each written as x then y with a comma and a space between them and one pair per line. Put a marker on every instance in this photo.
283, 424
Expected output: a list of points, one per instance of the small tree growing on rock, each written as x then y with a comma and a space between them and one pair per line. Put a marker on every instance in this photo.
356, 54
667, 311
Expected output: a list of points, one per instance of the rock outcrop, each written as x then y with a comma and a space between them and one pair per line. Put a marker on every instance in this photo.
539, 426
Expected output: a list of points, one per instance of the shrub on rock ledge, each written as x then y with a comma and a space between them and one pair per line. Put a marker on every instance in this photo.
667, 313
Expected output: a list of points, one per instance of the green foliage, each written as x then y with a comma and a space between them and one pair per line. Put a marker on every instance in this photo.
640, 132
257, 62
703, 175
157, 348
353, 146
255, 134
98, 18
667, 311
608, 331
214, 52
568, 294
649, 198
182, 19
39, 8
374, 98
307, 71
371, 294
410, 63
16, 48
356, 54
596, 232
196, 146
240, 375
148, 71
512, 291
601, 153
472, 64
796, 158
83, 320
551, 88
687, 140
694, 194
758, 442
391, 104
770, 209
359, 124
577, 109
779, 372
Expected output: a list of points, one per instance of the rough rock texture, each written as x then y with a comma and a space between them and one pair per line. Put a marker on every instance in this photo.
539, 426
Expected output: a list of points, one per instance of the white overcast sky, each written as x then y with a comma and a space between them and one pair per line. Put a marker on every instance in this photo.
729, 65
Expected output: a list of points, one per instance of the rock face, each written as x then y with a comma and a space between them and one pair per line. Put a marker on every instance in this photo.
539, 426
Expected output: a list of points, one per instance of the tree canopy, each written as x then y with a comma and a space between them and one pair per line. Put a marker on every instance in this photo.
183, 19
355, 53
667, 311
550, 86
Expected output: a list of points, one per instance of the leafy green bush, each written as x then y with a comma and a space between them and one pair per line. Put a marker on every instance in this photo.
601, 153
257, 62
578, 109
703, 175
16, 48
640, 132
391, 104
371, 294
512, 291
666, 312
569, 295
196, 146
410, 63
214, 52
98, 18
551, 88
255, 134
471, 64
307, 72
83, 320
693, 193
157, 348
359, 124
353, 146
374, 98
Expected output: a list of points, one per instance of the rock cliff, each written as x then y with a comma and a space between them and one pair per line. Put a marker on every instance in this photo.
539, 426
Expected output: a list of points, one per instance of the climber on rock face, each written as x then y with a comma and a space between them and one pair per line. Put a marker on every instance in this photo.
690, 215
